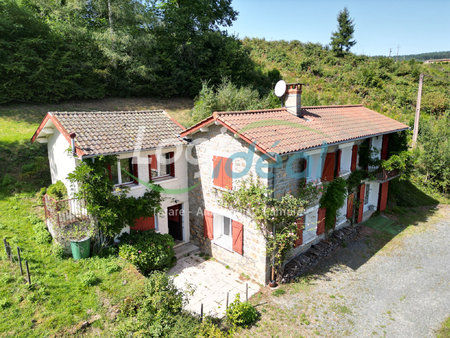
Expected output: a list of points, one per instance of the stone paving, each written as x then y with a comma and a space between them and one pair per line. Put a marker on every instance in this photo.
207, 282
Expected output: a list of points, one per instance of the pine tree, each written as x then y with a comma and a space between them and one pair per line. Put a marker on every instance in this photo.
342, 39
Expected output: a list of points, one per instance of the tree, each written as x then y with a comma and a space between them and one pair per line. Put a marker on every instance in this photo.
342, 39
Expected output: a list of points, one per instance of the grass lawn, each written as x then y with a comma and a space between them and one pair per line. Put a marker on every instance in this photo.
64, 292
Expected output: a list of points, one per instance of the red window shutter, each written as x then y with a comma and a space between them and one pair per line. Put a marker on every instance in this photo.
238, 237
362, 189
227, 179
328, 168
384, 147
321, 220
383, 196
152, 164
208, 224
350, 205
135, 169
217, 171
144, 224
338, 162
172, 164
222, 172
300, 225
354, 157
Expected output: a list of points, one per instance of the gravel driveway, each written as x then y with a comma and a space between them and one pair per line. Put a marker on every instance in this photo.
395, 287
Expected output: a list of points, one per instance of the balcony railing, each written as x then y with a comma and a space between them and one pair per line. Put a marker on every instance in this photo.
65, 212
386, 175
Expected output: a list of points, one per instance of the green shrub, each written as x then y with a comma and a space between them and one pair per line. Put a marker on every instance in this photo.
57, 190
156, 312
90, 279
57, 250
4, 304
8, 179
241, 314
148, 251
41, 234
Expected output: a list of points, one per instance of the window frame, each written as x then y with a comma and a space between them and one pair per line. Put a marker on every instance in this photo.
169, 162
366, 194
119, 173
219, 236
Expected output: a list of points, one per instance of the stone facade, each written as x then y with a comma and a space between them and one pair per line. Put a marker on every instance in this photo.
217, 141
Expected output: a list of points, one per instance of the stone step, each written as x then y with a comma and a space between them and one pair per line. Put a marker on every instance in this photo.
184, 249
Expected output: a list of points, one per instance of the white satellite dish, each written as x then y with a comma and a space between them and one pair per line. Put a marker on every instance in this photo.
280, 88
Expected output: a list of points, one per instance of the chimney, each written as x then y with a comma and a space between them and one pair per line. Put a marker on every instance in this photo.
293, 98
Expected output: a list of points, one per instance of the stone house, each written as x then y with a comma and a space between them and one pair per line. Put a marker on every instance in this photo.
283, 148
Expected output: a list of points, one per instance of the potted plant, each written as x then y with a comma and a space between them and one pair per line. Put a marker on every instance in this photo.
79, 234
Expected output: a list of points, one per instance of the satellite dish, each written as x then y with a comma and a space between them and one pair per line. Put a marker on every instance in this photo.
280, 88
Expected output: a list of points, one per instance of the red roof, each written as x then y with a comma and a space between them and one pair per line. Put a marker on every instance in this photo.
279, 131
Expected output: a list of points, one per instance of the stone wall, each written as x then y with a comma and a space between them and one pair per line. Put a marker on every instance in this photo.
218, 141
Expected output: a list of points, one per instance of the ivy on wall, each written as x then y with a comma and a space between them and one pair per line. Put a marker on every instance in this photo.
333, 199
275, 218
109, 205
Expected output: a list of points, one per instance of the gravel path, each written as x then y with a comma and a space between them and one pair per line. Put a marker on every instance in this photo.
373, 287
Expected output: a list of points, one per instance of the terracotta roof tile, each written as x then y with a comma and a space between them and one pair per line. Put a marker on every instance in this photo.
119, 131
278, 131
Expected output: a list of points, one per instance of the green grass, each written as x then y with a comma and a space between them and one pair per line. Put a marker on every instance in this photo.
444, 331
384, 224
63, 292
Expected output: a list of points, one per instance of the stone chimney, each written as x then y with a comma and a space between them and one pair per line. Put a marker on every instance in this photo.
293, 98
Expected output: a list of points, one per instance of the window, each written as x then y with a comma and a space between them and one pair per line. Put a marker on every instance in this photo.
162, 167
120, 173
222, 172
222, 231
367, 193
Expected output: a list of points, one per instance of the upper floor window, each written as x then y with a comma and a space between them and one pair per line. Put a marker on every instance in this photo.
162, 166
222, 172
122, 172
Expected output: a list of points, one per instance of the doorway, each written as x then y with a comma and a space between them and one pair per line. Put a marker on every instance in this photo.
175, 220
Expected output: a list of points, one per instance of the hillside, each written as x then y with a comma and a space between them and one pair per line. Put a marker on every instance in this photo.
424, 56
379, 83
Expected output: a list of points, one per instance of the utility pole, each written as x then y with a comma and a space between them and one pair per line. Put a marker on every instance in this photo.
417, 116
390, 52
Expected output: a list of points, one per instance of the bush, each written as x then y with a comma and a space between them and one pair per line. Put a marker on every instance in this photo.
57, 190
90, 279
148, 251
57, 250
241, 314
41, 234
156, 312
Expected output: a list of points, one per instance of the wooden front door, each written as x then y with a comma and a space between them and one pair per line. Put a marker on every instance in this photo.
175, 219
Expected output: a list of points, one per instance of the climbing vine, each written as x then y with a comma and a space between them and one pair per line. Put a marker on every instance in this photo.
333, 199
109, 205
275, 218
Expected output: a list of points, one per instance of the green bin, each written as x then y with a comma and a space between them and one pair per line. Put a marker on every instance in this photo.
81, 248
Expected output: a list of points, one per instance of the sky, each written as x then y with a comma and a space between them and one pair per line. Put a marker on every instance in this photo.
411, 26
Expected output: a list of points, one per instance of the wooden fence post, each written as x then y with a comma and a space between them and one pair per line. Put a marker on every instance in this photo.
28, 272
201, 312
20, 260
246, 291
7, 249
228, 294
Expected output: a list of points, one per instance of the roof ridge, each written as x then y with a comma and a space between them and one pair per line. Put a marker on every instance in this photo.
107, 111
250, 111
333, 106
